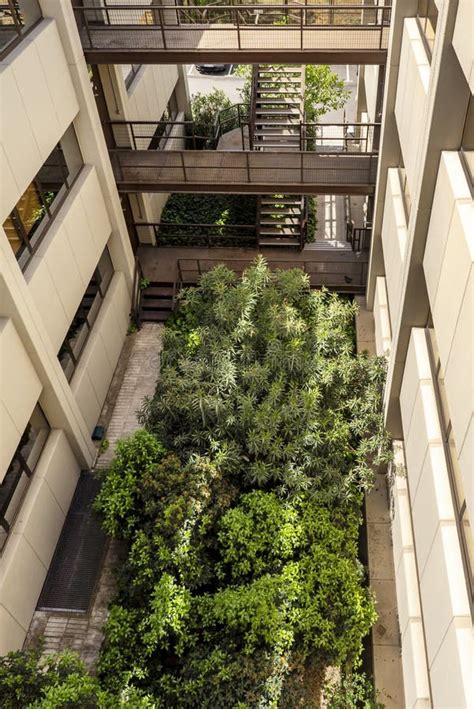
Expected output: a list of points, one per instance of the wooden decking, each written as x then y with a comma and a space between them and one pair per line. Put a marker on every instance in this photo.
215, 43
343, 271
244, 171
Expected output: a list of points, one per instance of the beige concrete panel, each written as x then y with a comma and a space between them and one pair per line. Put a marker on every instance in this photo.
12, 634
47, 300
402, 537
17, 137
417, 367
81, 387
443, 588
451, 185
95, 210
454, 688
383, 335
463, 39
20, 388
40, 520
407, 590
111, 328
454, 287
415, 675
9, 439
412, 96
22, 576
466, 461
432, 504
394, 240
459, 372
31, 81
59, 468
9, 188
58, 78
98, 367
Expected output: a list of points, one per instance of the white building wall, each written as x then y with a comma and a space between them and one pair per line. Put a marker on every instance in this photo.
411, 102
443, 591
45, 88
394, 241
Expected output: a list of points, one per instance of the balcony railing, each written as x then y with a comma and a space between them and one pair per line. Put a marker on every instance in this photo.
17, 18
312, 137
198, 235
216, 29
343, 276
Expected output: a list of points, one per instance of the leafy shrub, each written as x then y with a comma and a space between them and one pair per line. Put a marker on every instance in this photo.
205, 108
119, 498
274, 389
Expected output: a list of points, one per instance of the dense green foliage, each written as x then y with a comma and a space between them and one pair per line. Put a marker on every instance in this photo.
220, 210
265, 379
242, 581
240, 505
29, 681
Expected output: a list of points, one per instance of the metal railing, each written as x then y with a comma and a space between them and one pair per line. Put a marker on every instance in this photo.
358, 237
197, 235
313, 137
173, 26
249, 171
136, 293
338, 275
17, 17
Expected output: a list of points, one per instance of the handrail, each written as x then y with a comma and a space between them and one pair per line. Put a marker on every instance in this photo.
136, 293
356, 137
353, 279
239, 19
210, 233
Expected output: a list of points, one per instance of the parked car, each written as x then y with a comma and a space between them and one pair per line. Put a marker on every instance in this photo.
212, 68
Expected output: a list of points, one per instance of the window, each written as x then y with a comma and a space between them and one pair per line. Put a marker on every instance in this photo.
27, 224
129, 72
86, 314
17, 17
427, 14
18, 476
457, 487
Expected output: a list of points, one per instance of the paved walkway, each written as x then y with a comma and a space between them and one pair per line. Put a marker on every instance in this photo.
134, 378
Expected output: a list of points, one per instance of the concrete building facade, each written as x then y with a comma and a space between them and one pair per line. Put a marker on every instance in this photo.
421, 291
66, 273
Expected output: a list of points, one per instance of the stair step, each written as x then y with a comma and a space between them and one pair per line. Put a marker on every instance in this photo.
157, 303
276, 111
279, 71
280, 200
277, 211
279, 242
277, 102
157, 291
277, 146
155, 316
291, 232
275, 222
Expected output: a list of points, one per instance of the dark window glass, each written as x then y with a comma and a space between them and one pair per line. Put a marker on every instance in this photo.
28, 222
86, 314
129, 72
20, 471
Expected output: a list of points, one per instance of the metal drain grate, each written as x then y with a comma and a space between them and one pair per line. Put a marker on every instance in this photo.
77, 559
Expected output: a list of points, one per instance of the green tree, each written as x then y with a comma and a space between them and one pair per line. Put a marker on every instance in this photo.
205, 108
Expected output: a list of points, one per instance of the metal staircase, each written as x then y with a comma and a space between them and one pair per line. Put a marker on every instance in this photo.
277, 114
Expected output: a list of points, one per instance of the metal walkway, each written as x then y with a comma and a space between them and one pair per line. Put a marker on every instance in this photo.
242, 172
341, 33
76, 563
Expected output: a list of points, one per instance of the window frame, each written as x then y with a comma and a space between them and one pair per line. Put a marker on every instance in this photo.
30, 241
423, 17
23, 468
103, 283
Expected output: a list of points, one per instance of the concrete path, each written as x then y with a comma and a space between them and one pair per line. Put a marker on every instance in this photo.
134, 378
